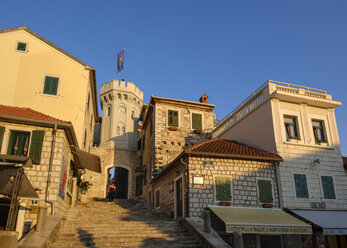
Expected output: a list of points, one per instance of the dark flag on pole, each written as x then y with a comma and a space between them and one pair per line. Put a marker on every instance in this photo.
120, 60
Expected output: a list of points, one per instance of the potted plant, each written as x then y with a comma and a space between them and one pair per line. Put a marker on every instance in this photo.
173, 128
294, 139
84, 187
197, 131
267, 205
224, 203
322, 143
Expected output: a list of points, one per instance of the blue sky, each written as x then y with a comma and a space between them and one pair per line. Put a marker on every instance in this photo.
183, 49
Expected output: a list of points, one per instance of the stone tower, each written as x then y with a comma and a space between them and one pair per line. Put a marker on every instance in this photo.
121, 106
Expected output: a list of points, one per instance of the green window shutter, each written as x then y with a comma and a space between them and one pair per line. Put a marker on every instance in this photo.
197, 121
328, 187
21, 46
173, 118
265, 191
36, 146
301, 186
2, 131
223, 191
51, 85
10, 143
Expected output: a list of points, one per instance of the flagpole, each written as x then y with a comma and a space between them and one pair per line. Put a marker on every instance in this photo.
123, 66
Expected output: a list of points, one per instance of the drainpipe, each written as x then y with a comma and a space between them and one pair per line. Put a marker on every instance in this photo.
279, 186
54, 131
187, 188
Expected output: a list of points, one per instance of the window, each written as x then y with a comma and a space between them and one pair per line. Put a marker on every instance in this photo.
157, 198
21, 46
85, 139
223, 188
51, 86
118, 130
123, 130
318, 131
88, 101
291, 127
301, 185
109, 110
173, 118
328, 187
19, 144
265, 191
196, 121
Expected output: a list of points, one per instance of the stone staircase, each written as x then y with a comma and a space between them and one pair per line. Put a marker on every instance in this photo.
122, 223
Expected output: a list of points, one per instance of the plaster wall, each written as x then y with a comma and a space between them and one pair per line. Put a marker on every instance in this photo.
22, 76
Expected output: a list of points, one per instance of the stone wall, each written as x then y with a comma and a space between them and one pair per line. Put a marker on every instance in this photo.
243, 174
169, 144
109, 158
298, 159
37, 175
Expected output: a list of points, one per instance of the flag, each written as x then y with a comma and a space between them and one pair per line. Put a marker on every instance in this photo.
120, 60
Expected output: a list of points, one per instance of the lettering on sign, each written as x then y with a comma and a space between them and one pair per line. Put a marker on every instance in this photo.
269, 229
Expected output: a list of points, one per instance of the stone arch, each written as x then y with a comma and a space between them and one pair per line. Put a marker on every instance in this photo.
130, 179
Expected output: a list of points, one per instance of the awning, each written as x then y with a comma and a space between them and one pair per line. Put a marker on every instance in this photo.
260, 221
86, 160
6, 186
333, 222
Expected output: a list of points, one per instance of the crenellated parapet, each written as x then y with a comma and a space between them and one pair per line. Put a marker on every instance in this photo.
120, 90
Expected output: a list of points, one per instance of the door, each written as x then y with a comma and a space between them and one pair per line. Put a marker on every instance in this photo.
178, 198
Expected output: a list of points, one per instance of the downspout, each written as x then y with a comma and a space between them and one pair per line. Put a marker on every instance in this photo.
186, 189
54, 131
279, 185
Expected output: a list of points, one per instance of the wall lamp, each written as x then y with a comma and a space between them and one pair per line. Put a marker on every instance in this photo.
316, 162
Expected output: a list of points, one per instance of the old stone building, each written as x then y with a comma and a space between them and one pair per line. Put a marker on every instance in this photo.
167, 123
298, 123
121, 104
28, 133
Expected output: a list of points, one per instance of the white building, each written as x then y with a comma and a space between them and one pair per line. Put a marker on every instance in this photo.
298, 123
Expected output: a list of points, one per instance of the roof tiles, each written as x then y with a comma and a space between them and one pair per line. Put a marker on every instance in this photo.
230, 148
27, 113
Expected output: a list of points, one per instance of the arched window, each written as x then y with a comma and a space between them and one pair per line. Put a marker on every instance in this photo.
132, 114
125, 97
118, 130
109, 110
119, 96
123, 130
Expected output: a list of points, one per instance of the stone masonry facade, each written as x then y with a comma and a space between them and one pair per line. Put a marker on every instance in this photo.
37, 175
243, 175
299, 159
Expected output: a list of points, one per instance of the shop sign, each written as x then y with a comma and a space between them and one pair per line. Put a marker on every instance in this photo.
268, 229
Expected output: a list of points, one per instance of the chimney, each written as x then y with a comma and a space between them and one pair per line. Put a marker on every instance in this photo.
204, 99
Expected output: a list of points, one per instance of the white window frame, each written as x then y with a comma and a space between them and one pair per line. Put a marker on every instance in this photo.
43, 85
321, 186
155, 198
191, 119
299, 125
326, 128
272, 189
215, 188
26, 48
308, 188
167, 117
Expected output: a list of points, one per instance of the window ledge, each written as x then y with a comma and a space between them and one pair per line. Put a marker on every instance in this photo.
316, 146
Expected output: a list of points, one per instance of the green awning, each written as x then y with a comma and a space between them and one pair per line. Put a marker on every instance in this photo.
260, 221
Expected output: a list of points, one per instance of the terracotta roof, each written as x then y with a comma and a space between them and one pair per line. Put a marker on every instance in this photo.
230, 148
27, 113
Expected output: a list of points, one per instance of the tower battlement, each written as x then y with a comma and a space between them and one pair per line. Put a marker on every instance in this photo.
122, 86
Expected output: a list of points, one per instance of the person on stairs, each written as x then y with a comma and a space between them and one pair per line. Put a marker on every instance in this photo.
111, 190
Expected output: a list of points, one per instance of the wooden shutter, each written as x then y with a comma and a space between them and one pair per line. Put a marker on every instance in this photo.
301, 186
265, 191
51, 85
197, 121
173, 118
2, 131
223, 191
36, 146
328, 187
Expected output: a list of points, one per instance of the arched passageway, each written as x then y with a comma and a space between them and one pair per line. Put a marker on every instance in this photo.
120, 177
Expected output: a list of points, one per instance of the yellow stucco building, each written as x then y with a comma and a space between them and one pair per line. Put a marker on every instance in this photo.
37, 74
